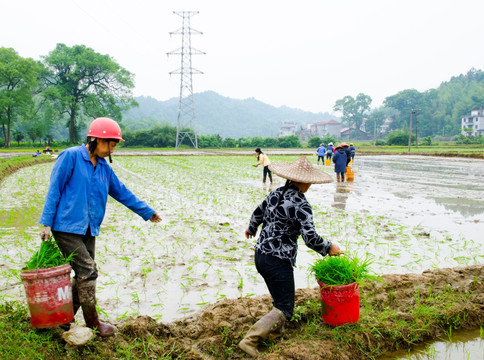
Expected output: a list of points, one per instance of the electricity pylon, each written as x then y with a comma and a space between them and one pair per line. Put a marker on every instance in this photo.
186, 124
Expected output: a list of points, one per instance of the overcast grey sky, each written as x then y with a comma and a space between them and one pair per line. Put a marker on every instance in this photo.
303, 54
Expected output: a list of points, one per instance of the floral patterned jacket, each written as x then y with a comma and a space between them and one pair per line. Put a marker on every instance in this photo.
281, 227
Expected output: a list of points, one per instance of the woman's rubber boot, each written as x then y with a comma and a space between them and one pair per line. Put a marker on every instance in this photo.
270, 323
87, 299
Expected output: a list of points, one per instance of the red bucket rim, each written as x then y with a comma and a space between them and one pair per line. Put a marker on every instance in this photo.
346, 287
45, 273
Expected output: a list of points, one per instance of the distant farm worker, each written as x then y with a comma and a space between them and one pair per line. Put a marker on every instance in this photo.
352, 151
329, 151
321, 151
339, 160
75, 205
284, 214
346, 148
265, 162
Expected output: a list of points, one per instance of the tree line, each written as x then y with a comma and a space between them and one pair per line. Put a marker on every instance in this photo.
165, 136
70, 86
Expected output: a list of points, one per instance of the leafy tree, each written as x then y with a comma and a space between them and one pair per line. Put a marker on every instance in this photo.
427, 140
18, 136
84, 83
229, 143
269, 142
405, 102
377, 118
314, 142
353, 109
329, 139
291, 141
210, 141
18, 77
399, 137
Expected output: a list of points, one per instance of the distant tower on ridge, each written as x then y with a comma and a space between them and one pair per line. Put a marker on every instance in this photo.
186, 125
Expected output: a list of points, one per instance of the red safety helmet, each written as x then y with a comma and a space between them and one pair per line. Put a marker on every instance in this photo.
104, 128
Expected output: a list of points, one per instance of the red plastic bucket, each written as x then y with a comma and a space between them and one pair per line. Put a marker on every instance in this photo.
49, 295
341, 304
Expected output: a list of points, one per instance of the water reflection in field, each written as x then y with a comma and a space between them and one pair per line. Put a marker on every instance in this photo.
462, 345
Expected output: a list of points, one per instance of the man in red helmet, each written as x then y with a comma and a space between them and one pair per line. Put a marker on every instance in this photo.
74, 208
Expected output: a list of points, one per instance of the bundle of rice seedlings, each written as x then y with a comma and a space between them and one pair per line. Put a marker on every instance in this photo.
49, 255
342, 270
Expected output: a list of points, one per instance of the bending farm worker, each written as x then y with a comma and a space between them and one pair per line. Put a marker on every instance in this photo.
285, 214
265, 162
74, 208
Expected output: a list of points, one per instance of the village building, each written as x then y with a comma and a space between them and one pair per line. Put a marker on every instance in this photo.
288, 129
473, 124
324, 128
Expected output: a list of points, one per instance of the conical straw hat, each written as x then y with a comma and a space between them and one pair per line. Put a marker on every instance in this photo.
300, 170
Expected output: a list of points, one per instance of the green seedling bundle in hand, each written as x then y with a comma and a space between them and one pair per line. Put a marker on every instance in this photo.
49, 255
342, 270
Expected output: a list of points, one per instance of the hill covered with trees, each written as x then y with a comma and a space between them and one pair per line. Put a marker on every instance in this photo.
439, 111
216, 114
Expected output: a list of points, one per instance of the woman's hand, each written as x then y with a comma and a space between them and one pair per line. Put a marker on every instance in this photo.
155, 218
334, 250
247, 235
45, 233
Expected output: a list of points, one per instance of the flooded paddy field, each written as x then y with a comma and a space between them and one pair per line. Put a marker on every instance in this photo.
410, 213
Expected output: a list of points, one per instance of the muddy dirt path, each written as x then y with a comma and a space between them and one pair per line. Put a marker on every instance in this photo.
392, 313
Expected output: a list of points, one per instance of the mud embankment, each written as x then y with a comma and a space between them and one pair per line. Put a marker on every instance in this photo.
9, 166
401, 311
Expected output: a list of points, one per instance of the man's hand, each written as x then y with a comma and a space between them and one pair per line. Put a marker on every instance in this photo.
155, 218
45, 233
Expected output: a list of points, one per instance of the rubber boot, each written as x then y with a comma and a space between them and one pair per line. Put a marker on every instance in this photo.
264, 180
270, 178
270, 323
75, 304
87, 299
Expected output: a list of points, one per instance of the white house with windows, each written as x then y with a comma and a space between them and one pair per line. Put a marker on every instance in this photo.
473, 124
287, 129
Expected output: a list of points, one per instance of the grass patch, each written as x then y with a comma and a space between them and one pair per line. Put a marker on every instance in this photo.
19, 341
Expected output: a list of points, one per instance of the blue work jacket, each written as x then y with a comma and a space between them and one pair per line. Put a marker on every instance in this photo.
339, 159
321, 150
78, 193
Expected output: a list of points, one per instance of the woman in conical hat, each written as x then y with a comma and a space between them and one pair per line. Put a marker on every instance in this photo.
285, 214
